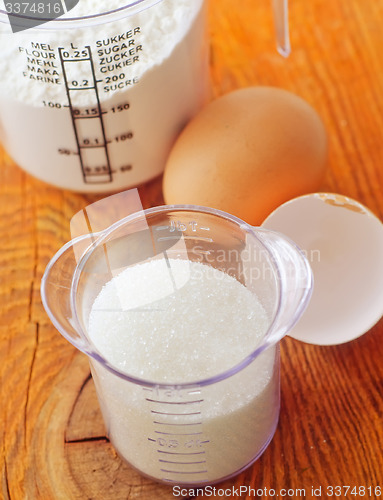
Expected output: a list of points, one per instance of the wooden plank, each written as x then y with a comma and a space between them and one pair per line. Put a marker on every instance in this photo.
52, 438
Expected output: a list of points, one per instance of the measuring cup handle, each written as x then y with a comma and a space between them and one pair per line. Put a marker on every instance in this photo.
295, 276
56, 286
281, 21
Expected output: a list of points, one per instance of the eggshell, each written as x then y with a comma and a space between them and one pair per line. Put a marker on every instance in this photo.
247, 152
343, 242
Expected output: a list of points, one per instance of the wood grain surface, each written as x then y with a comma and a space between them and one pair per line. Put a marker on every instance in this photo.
330, 433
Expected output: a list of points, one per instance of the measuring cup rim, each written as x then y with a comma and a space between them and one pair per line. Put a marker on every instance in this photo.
93, 19
100, 238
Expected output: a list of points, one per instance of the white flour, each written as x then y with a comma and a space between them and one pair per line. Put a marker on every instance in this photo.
195, 434
151, 78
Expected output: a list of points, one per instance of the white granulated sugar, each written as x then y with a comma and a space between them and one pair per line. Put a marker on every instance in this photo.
207, 326
203, 328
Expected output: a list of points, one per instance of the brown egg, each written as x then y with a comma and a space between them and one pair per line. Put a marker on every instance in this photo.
248, 152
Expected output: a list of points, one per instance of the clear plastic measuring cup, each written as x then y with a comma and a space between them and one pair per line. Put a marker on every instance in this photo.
94, 101
212, 406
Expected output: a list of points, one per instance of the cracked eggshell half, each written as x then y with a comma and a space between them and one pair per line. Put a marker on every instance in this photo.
343, 242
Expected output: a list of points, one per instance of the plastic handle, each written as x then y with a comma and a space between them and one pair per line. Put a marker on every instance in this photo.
56, 287
281, 21
295, 280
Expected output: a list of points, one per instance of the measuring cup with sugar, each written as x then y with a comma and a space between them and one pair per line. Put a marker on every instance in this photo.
180, 310
93, 101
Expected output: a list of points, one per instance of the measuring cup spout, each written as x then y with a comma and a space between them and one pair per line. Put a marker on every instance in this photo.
281, 21
56, 287
295, 281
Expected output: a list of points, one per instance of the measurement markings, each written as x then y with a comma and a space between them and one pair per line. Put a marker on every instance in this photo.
87, 87
174, 402
184, 472
168, 423
88, 172
100, 112
95, 146
174, 414
182, 453
94, 174
179, 437
169, 238
179, 433
182, 463
76, 59
86, 117
174, 481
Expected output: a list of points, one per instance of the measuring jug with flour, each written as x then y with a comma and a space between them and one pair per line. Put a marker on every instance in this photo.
93, 101
180, 310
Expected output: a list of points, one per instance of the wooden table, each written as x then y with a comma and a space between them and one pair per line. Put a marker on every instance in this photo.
52, 439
